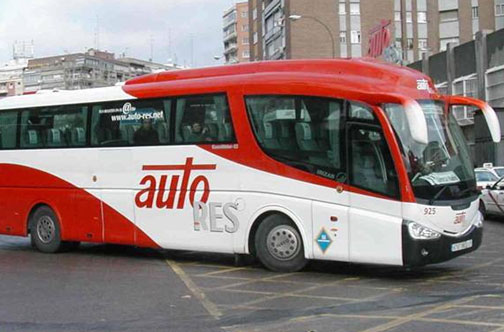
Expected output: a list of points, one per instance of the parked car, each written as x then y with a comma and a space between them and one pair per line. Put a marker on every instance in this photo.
485, 177
496, 170
492, 199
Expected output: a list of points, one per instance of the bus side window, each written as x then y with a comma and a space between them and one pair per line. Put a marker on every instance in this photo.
360, 112
140, 123
372, 167
8, 130
54, 127
303, 132
203, 119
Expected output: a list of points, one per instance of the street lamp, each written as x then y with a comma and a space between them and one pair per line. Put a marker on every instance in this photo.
295, 17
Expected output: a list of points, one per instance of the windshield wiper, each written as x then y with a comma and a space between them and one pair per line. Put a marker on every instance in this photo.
436, 196
469, 190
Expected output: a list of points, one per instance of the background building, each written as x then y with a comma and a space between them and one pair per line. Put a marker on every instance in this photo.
236, 33
11, 78
11, 73
290, 29
91, 69
473, 69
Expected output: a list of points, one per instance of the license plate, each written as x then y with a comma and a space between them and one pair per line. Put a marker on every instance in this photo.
461, 245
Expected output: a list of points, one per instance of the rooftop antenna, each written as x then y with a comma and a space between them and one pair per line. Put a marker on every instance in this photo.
151, 48
169, 46
192, 51
97, 33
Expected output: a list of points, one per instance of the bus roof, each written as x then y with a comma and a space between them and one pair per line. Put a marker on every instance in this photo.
64, 97
367, 74
365, 70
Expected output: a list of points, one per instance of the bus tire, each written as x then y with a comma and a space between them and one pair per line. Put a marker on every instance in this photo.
279, 246
45, 230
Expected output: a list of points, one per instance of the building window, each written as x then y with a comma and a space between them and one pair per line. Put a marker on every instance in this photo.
342, 37
409, 17
244, 14
445, 41
475, 13
245, 41
342, 8
422, 17
255, 37
398, 43
245, 28
421, 5
254, 14
499, 9
410, 43
422, 44
246, 54
448, 15
354, 9
355, 37
397, 16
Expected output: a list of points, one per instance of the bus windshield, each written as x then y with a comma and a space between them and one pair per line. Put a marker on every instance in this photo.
440, 170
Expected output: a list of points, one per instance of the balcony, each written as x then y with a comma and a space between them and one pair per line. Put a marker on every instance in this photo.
230, 36
231, 48
271, 6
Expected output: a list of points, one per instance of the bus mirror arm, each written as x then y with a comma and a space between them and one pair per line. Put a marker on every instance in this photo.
488, 112
414, 115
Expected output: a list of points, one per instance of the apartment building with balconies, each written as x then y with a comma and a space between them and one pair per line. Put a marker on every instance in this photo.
236, 33
292, 29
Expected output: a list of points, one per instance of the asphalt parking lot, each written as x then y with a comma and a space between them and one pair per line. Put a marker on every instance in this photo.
115, 288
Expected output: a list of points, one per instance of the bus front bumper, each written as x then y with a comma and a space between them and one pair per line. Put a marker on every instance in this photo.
422, 252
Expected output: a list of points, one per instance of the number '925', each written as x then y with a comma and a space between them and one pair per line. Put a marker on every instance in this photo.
429, 211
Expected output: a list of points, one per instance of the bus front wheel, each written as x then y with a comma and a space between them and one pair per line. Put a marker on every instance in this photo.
279, 245
45, 230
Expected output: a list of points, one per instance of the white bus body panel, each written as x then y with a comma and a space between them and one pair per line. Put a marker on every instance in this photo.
367, 229
442, 219
375, 230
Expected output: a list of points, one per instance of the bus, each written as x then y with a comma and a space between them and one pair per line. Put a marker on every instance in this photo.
347, 160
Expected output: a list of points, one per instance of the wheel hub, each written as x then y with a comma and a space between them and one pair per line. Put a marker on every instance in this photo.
45, 229
283, 243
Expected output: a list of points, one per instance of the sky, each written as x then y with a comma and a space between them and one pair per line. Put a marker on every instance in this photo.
125, 26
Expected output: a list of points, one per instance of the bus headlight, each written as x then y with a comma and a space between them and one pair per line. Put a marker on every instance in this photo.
420, 232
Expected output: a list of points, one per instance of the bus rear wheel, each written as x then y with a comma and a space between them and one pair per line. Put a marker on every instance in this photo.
279, 245
45, 230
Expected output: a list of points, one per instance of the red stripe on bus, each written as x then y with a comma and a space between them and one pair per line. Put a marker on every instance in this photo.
83, 217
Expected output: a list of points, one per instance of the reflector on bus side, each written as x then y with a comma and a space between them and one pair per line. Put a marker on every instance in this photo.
488, 112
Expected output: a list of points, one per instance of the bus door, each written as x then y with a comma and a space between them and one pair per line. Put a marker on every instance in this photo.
376, 213
87, 221
116, 180
112, 131
323, 132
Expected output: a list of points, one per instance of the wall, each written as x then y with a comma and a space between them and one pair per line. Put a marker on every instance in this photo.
307, 32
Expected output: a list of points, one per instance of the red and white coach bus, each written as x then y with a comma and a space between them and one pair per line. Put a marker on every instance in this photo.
346, 160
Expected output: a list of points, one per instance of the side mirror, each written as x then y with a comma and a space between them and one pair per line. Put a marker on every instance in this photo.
488, 112
488, 186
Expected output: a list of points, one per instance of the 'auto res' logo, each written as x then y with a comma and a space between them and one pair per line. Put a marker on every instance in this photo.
208, 216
